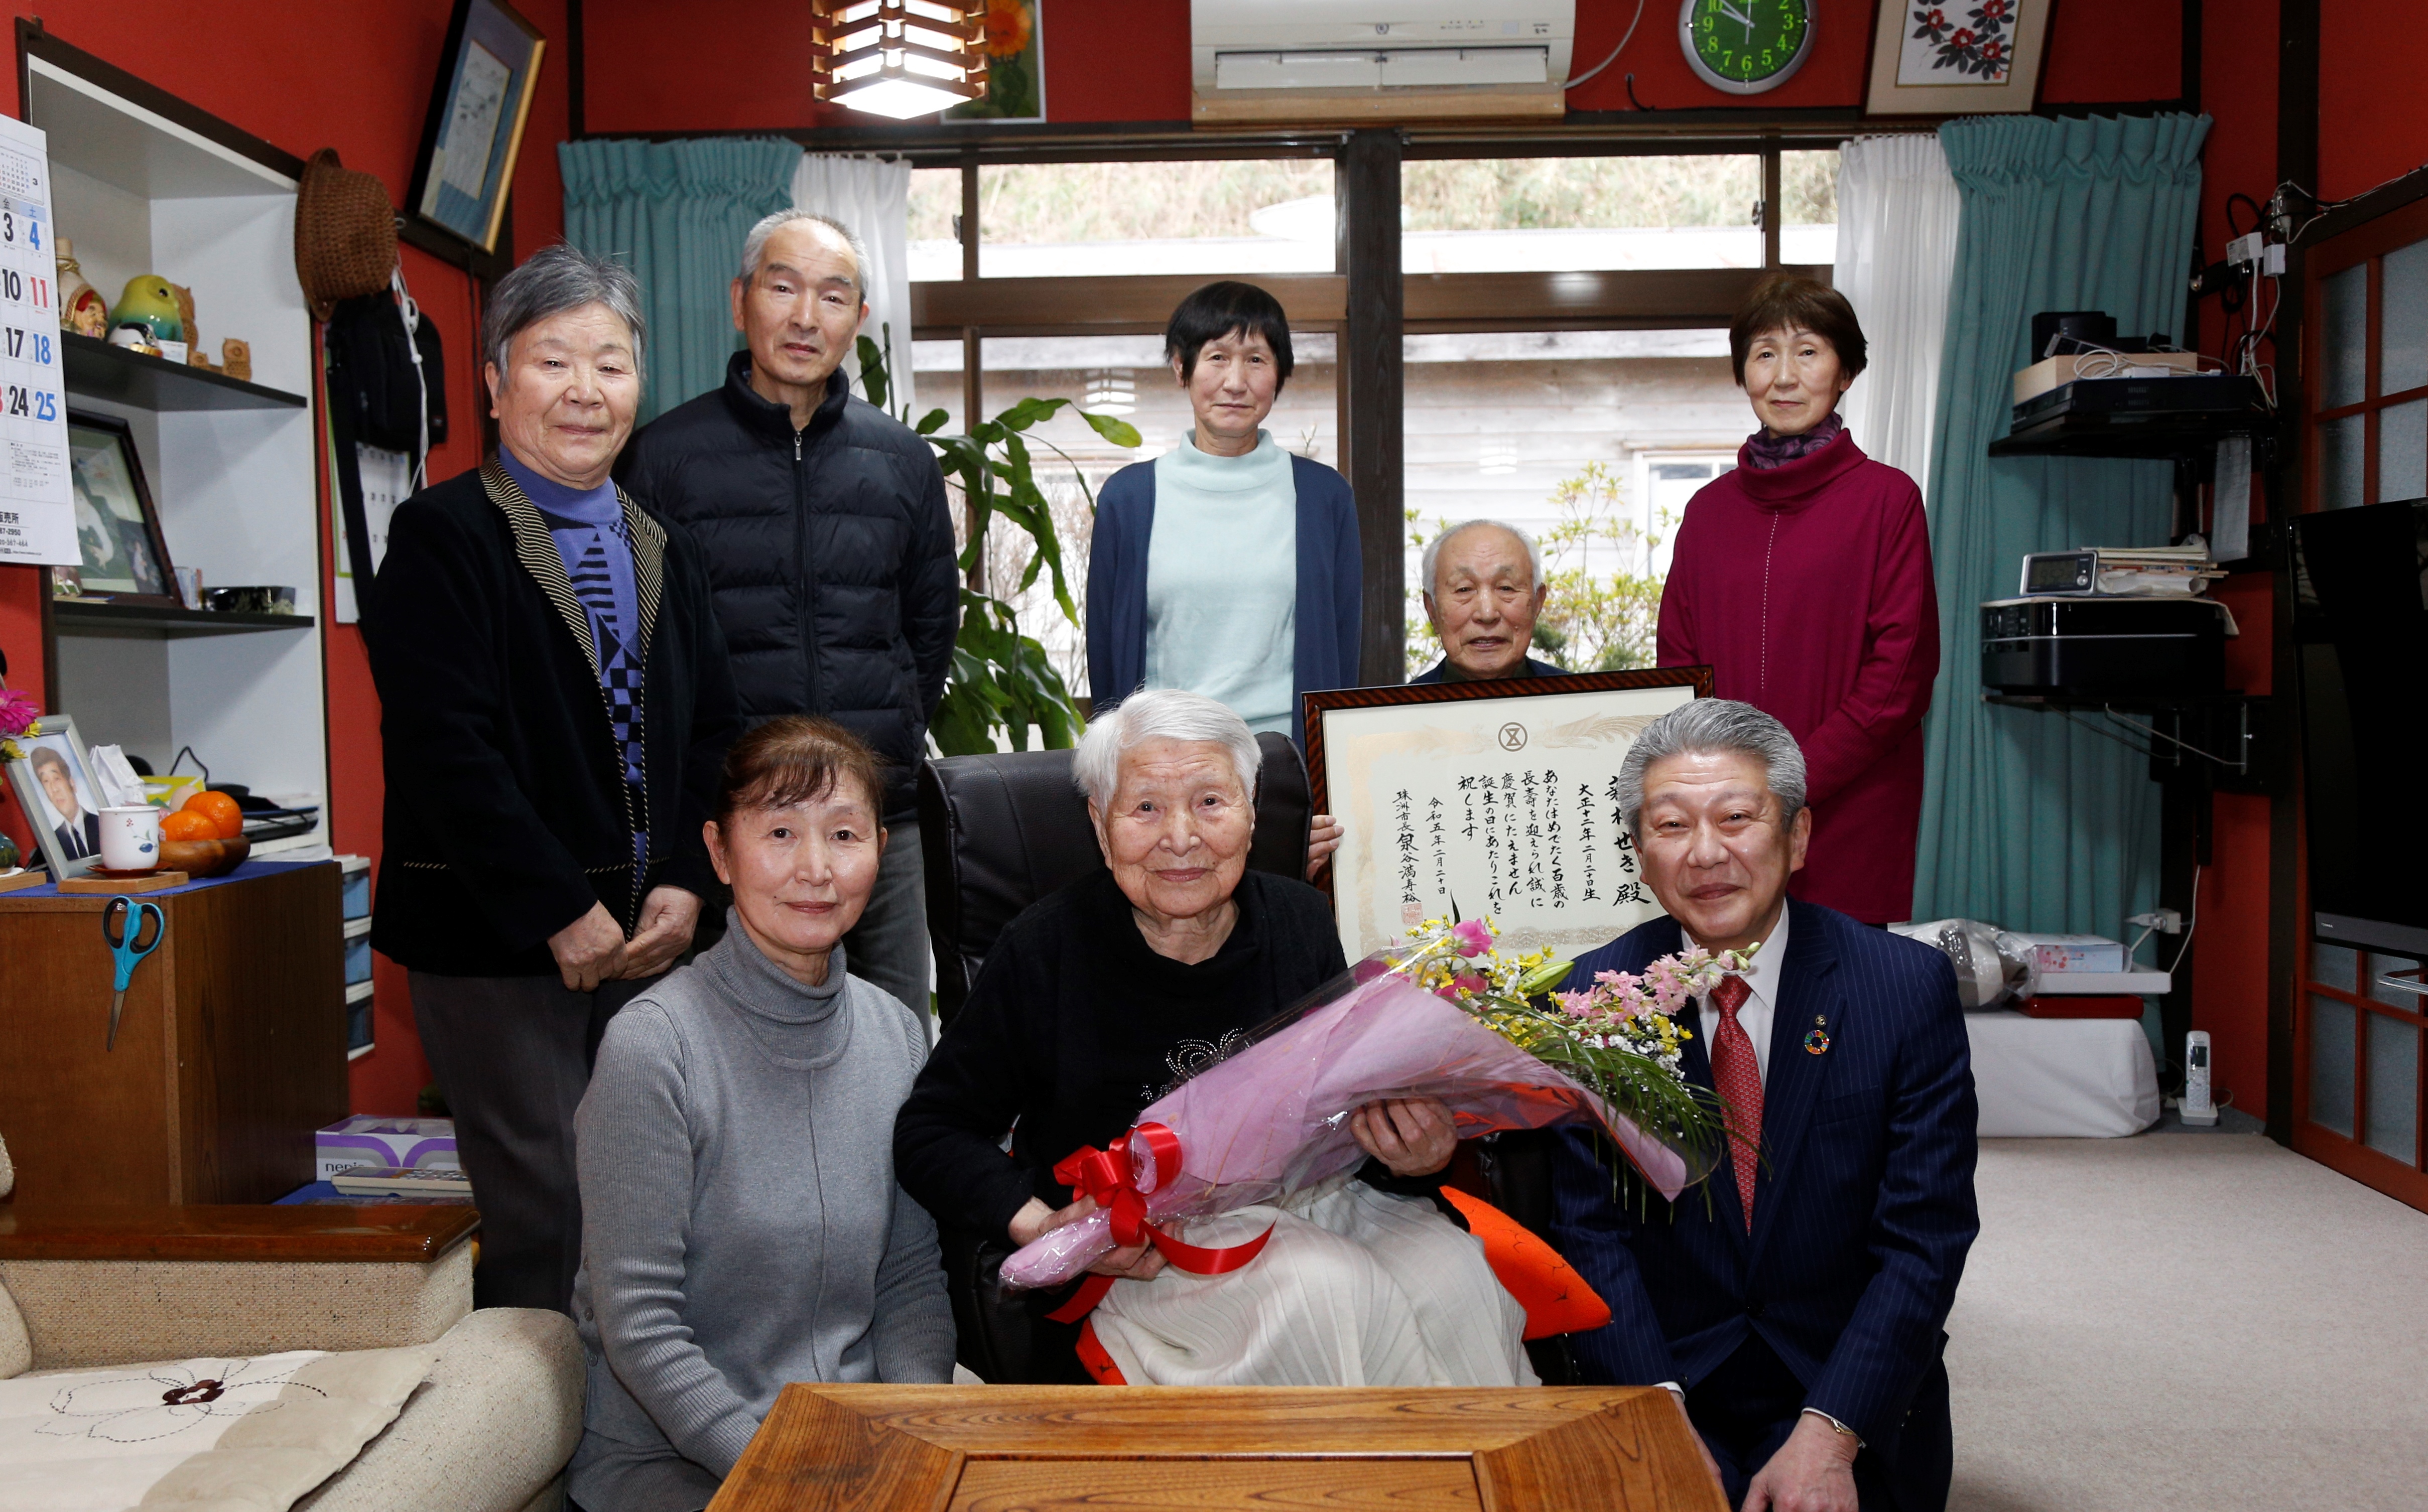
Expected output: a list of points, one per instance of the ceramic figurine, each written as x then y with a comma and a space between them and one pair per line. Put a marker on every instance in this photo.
151, 301
193, 335
237, 358
82, 309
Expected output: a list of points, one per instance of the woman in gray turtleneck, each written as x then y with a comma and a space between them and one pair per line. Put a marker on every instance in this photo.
741, 1224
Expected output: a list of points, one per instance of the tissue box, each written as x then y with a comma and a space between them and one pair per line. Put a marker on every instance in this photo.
368, 1140
2059, 954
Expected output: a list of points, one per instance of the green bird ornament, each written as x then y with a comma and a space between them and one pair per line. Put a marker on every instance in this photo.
150, 303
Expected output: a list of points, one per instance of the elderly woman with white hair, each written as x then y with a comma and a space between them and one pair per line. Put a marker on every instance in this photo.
1096, 997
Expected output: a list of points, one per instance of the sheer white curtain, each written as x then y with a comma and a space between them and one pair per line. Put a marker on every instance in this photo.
1896, 258
873, 197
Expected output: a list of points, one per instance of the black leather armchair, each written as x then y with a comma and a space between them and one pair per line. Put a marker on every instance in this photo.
999, 832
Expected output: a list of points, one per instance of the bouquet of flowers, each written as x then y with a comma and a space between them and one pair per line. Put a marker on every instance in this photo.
19, 715
1442, 1014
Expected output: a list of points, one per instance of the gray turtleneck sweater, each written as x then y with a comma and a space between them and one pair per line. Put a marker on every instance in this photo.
741, 1227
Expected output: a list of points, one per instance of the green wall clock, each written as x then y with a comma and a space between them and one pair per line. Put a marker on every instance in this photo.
1746, 46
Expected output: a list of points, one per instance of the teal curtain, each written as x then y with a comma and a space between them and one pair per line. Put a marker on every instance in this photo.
2029, 820
676, 212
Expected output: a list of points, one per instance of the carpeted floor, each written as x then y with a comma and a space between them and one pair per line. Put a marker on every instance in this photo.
2203, 1322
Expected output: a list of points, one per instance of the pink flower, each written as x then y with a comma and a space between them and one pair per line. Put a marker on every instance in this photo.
1471, 982
1474, 936
17, 712
1447, 994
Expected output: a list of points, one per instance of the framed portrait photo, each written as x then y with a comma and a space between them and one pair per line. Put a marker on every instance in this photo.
1493, 799
487, 73
121, 552
53, 785
1960, 58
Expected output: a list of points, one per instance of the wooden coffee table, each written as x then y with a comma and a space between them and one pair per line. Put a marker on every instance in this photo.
1123, 1449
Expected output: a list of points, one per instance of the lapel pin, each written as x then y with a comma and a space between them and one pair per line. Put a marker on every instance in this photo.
1816, 1042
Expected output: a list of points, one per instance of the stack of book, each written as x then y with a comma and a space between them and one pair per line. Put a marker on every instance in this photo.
2156, 570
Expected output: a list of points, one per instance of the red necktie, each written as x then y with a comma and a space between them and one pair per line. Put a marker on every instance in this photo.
1738, 1075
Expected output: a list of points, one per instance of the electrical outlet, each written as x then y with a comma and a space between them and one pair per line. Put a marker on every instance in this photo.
2165, 920
2245, 248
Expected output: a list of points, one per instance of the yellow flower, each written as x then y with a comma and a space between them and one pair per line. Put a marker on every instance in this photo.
1009, 24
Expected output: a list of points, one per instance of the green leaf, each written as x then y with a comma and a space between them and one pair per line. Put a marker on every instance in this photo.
874, 381
932, 422
1027, 413
1113, 428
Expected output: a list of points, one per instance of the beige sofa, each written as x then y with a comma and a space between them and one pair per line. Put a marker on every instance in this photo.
490, 1429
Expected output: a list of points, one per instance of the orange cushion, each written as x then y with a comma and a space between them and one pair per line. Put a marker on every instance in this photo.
1093, 1356
1556, 1298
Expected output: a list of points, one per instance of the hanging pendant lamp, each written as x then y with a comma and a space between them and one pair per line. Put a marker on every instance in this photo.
898, 57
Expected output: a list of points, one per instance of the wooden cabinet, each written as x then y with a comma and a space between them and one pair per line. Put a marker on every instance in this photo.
229, 1052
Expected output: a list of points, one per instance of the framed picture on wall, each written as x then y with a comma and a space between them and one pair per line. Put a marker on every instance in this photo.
1957, 57
487, 73
1486, 798
122, 554
53, 785
1015, 55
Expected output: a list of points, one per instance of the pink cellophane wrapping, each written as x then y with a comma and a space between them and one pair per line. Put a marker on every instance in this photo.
1274, 1118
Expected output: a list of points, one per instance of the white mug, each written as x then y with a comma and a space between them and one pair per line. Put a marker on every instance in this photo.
130, 838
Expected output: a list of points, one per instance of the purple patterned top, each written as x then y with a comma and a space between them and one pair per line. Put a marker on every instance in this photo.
1765, 451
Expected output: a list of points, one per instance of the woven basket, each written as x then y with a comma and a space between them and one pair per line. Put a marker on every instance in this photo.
345, 233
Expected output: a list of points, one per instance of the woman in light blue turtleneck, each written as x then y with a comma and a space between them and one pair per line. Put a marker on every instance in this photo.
1227, 566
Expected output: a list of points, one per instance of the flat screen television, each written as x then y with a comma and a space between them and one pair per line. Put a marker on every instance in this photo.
2360, 629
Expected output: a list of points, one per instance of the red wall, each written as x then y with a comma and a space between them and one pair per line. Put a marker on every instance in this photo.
1128, 60
352, 74
2373, 123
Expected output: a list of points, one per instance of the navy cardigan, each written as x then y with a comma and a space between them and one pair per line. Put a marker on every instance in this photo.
1331, 585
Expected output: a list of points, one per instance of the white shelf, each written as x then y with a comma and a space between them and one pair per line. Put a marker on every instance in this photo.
2105, 983
140, 192
357, 928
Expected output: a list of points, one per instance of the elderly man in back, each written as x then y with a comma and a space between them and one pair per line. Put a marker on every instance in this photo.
828, 544
1794, 1304
1484, 589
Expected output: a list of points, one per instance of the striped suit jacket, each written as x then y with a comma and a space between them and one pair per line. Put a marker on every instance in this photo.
1864, 1207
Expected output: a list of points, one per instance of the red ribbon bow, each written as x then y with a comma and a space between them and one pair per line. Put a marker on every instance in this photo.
1114, 1178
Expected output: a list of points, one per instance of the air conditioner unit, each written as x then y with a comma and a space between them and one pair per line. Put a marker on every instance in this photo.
1378, 61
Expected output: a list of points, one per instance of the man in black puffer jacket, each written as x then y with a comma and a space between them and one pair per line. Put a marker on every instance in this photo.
829, 545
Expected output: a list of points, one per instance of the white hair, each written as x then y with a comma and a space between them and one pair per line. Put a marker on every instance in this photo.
754, 246
551, 281
1165, 714
1433, 547
1714, 726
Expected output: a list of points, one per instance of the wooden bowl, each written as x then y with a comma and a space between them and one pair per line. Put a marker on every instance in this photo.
233, 851
196, 858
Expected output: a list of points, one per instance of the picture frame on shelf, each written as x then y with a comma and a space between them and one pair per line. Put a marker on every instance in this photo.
54, 777
487, 73
124, 555
1957, 57
1493, 799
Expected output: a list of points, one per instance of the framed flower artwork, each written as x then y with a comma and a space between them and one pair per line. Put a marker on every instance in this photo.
1015, 49
1954, 57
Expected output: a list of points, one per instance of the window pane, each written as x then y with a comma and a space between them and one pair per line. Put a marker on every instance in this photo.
2403, 337
2334, 965
1078, 220
1125, 376
2346, 338
2402, 451
935, 242
1808, 194
1573, 214
2401, 967
2340, 459
1590, 440
2331, 1064
2394, 1088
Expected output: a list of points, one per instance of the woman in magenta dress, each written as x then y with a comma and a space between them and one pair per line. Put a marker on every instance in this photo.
1803, 577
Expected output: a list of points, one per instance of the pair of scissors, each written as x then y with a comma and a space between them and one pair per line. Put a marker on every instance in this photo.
132, 931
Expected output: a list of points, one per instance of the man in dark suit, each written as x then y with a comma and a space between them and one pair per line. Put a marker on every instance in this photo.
1795, 1303
78, 829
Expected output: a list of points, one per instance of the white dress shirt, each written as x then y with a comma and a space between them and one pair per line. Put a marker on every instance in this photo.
1761, 978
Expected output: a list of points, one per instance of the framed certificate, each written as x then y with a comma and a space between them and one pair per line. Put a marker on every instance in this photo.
1486, 798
